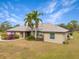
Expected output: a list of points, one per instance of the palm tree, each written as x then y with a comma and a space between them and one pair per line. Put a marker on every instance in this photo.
33, 19
36, 18
28, 21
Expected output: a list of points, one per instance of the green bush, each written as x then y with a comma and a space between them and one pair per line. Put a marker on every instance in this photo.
16, 36
4, 36
30, 38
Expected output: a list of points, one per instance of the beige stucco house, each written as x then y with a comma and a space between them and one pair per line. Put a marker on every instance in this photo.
48, 32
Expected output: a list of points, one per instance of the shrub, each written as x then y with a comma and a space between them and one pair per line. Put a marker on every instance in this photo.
4, 36
66, 42
30, 38
16, 36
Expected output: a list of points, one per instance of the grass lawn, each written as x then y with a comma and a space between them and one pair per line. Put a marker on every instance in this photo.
22, 49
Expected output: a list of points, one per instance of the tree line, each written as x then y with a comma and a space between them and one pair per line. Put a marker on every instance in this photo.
73, 25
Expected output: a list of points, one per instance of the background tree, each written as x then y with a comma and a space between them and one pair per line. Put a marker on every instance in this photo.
5, 25
73, 25
69, 26
62, 25
16, 25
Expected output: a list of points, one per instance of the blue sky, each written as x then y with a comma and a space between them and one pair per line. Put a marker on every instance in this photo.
54, 11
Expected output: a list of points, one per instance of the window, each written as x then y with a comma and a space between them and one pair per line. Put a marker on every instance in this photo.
52, 35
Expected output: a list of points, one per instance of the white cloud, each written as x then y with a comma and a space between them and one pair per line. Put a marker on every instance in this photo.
1, 8
15, 16
66, 3
11, 19
8, 12
7, 15
10, 5
4, 14
50, 7
1, 15
5, 6
54, 17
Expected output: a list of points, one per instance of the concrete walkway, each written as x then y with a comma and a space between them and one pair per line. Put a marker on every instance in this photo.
7, 40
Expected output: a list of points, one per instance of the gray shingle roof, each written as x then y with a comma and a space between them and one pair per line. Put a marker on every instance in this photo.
51, 28
20, 28
42, 27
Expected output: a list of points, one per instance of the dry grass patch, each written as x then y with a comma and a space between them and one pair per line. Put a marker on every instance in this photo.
22, 49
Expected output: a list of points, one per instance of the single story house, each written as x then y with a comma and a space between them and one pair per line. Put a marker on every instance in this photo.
48, 32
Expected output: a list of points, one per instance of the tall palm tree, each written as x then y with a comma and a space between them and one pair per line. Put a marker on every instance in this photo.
28, 21
36, 18
30, 17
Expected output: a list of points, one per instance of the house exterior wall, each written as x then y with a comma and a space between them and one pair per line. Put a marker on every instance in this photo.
22, 35
59, 37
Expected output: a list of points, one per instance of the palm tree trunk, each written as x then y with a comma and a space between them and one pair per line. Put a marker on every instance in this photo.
35, 33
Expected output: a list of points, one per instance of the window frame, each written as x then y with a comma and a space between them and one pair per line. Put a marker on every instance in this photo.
52, 35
